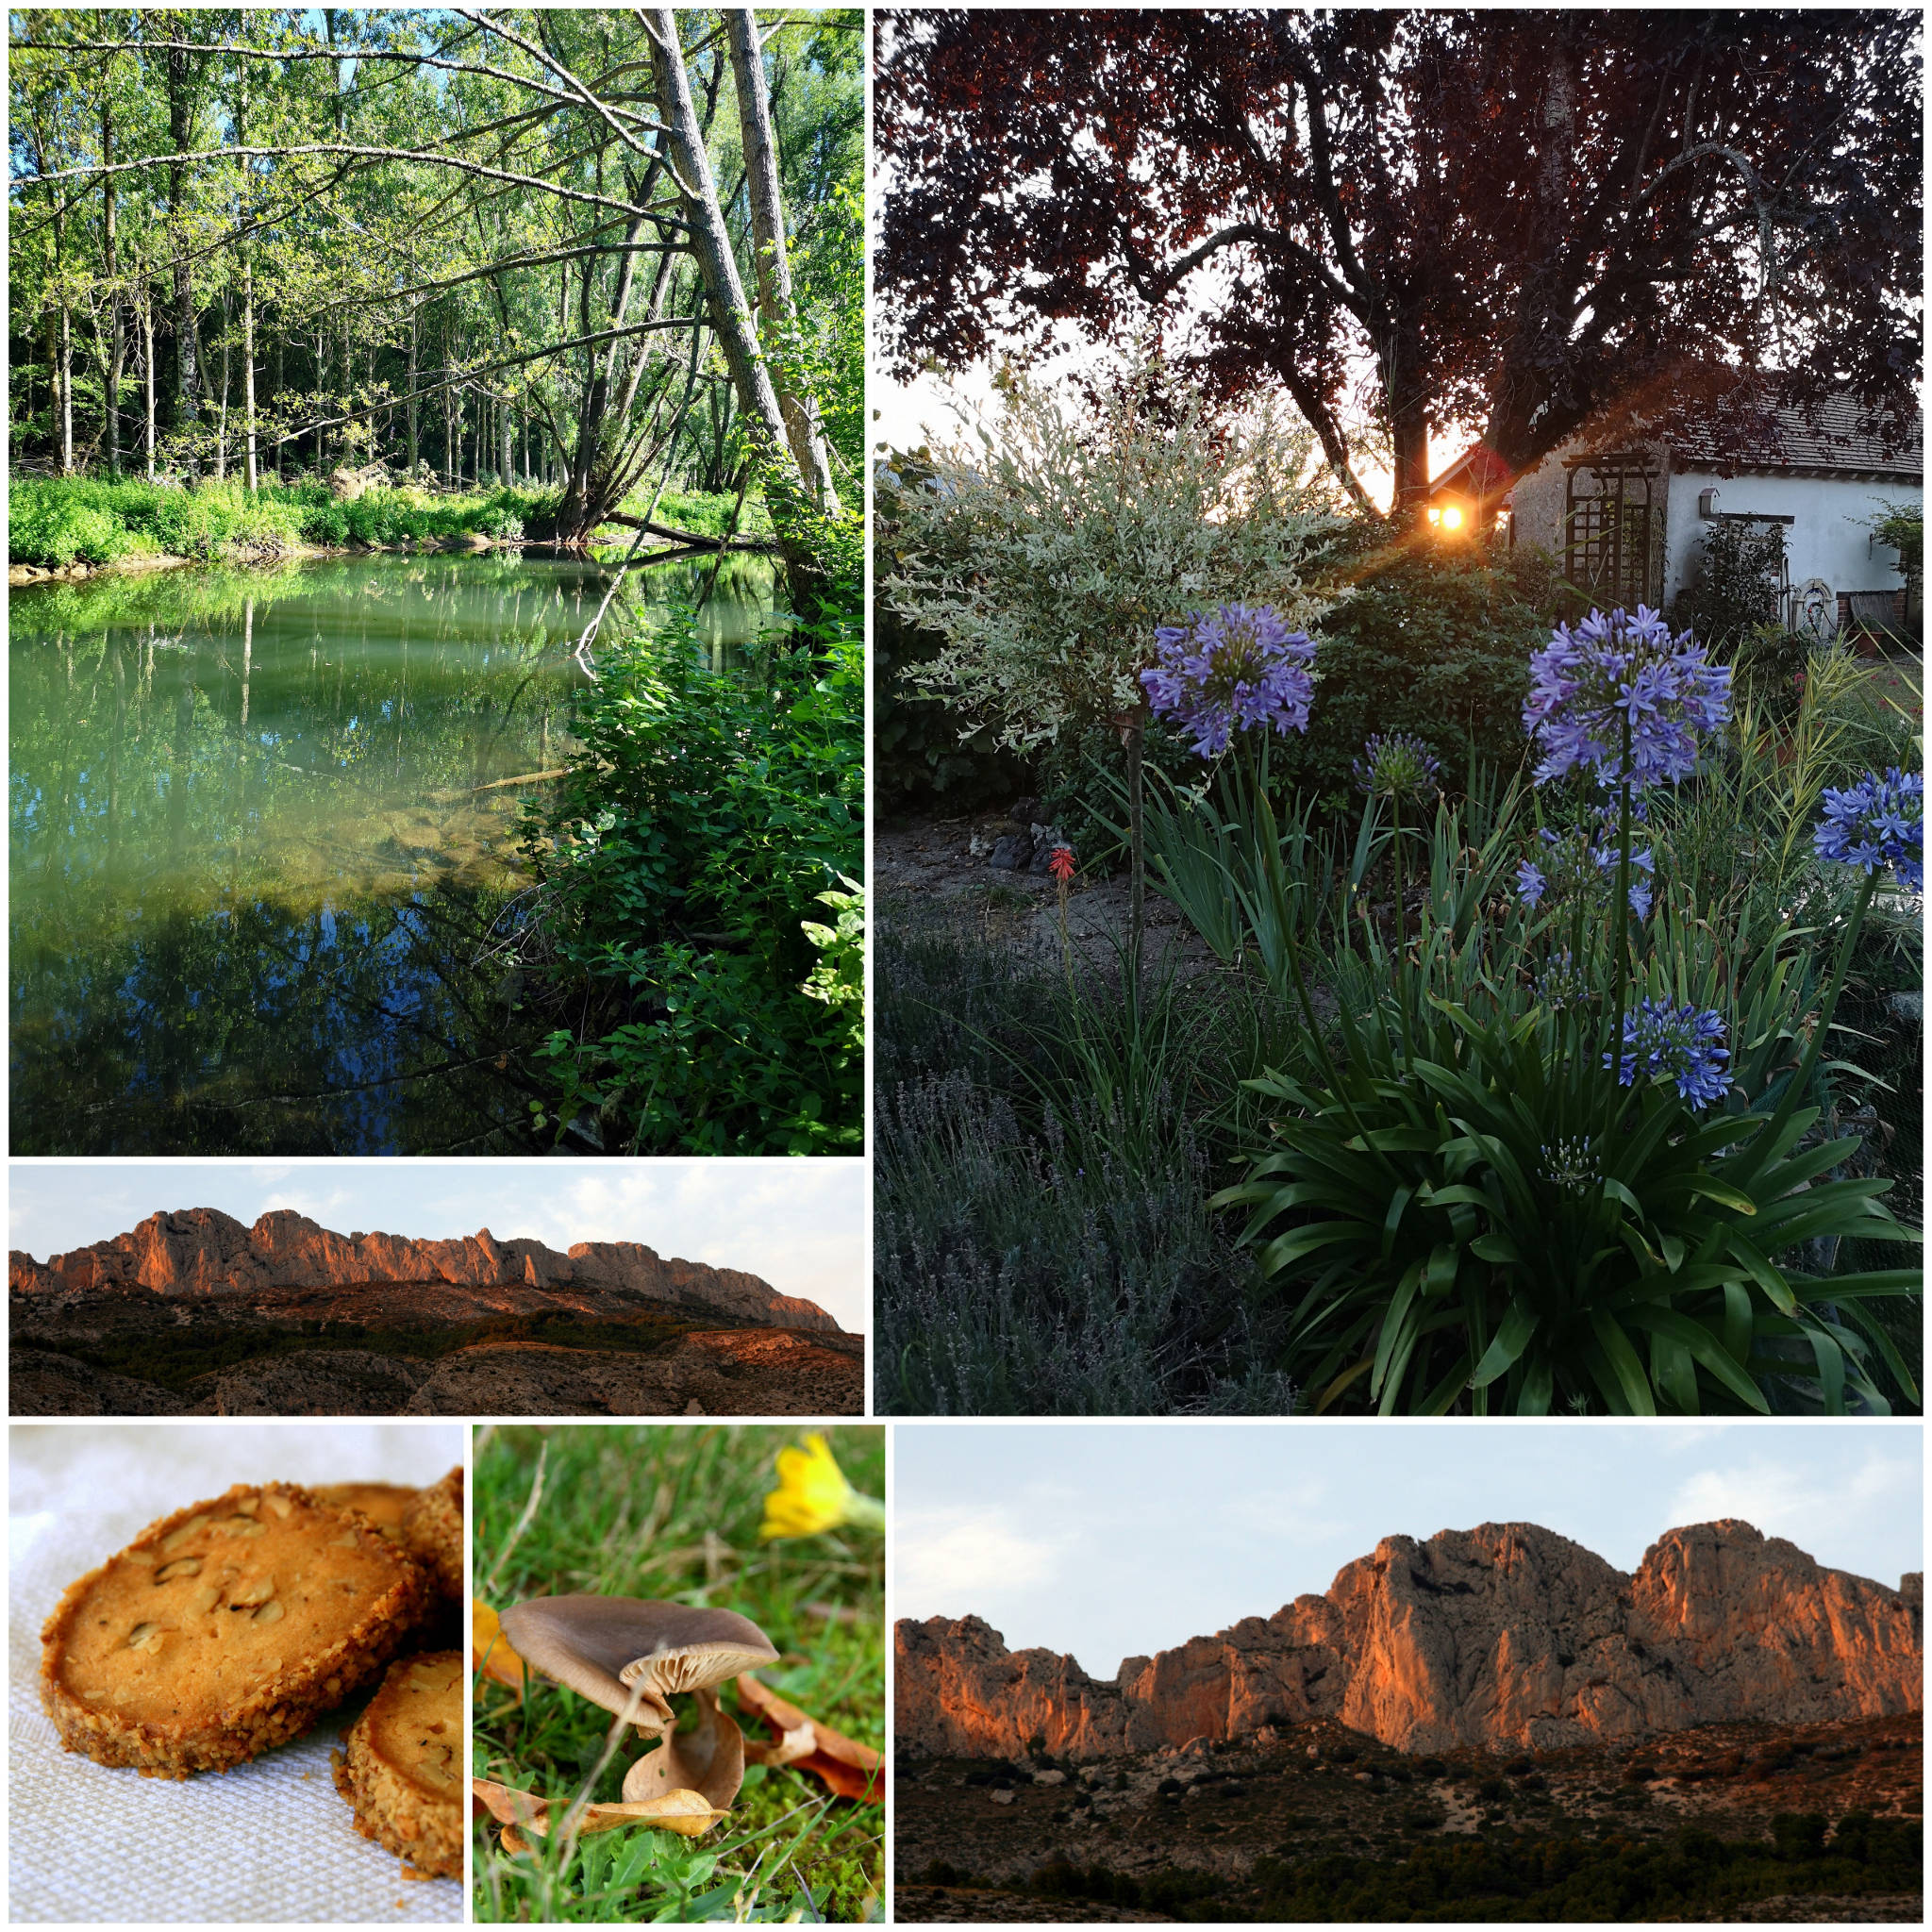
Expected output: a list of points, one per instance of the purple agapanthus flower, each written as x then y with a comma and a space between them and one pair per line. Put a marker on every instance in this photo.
1231, 670
1642, 874
1586, 681
1397, 764
1877, 821
1681, 1044
1573, 863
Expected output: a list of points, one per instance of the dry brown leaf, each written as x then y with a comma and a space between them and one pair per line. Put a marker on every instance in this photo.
849, 1770
708, 1759
489, 1650
792, 1746
686, 1812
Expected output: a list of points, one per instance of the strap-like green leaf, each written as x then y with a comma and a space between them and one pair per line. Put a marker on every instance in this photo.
1519, 1323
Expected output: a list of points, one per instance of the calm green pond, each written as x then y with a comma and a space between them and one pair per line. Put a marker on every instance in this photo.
260, 853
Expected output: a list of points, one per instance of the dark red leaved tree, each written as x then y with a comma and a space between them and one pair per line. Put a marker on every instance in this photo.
1524, 220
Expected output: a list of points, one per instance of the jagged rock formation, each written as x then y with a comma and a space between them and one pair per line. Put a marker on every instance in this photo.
1502, 1637
201, 1253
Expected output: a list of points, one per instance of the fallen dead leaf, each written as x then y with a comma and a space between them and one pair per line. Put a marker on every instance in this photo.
489, 1650
684, 1812
849, 1770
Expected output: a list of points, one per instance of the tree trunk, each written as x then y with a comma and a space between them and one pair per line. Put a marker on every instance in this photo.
710, 245
768, 235
117, 355
147, 338
66, 388
241, 250
1408, 427
415, 444
187, 371
248, 360
282, 389
222, 409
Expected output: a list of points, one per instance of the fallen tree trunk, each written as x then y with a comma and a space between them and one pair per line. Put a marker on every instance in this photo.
694, 538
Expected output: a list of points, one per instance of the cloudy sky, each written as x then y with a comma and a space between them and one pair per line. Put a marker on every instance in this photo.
798, 1224
1111, 1541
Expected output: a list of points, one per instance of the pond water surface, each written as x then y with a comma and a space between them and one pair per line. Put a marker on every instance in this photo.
260, 839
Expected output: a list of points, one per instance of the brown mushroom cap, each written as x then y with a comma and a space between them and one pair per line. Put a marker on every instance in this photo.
608, 1648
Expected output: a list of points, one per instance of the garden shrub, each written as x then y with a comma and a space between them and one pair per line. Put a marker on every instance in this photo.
1431, 643
1462, 1203
1737, 591
924, 754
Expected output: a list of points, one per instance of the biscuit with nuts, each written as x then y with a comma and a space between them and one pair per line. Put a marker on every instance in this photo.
224, 1630
433, 1530
382, 1503
401, 1768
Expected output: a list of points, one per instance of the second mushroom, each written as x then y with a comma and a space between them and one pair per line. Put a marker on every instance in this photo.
632, 1658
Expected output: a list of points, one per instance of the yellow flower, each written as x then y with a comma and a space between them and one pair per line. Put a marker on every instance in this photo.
813, 1496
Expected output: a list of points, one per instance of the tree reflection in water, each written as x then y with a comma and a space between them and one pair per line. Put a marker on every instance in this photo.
258, 841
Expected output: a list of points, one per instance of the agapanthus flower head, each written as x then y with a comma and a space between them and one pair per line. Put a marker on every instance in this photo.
1585, 682
1571, 1164
1232, 669
1573, 863
1397, 764
1877, 821
1681, 1044
1562, 983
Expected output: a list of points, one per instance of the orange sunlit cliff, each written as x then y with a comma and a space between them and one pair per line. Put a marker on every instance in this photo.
1504, 1636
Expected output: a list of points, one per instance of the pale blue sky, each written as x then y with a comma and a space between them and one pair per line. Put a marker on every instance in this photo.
1117, 1540
800, 1224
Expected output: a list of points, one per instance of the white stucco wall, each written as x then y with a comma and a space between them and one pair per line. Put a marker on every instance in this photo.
1828, 537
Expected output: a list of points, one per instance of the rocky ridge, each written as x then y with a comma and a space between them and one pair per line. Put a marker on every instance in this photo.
200, 1254
1507, 1636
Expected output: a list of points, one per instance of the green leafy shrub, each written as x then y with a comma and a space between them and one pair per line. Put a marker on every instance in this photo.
924, 754
1740, 576
62, 521
683, 857
1431, 643
54, 530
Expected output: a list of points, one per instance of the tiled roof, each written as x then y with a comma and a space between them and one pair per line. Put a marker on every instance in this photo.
1788, 438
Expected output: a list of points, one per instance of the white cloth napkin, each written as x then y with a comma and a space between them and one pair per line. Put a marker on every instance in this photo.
270, 1842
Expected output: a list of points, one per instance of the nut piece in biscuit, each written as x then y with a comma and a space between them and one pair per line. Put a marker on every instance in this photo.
401, 1768
382, 1503
224, 1630
433, 1531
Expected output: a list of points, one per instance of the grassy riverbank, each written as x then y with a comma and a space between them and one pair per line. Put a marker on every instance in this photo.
57, 522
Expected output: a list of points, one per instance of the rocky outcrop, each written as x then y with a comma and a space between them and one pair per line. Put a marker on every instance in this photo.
201, 1253
1502, 1637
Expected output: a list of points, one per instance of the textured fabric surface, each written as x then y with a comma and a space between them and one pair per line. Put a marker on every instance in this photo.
270, 1842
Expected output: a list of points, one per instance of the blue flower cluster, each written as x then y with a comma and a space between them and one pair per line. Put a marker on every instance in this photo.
1397, 764
1571, 1164
1562, 983
1680, 1044
1877, 821
1232, 670
1586, 682
1574, 862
